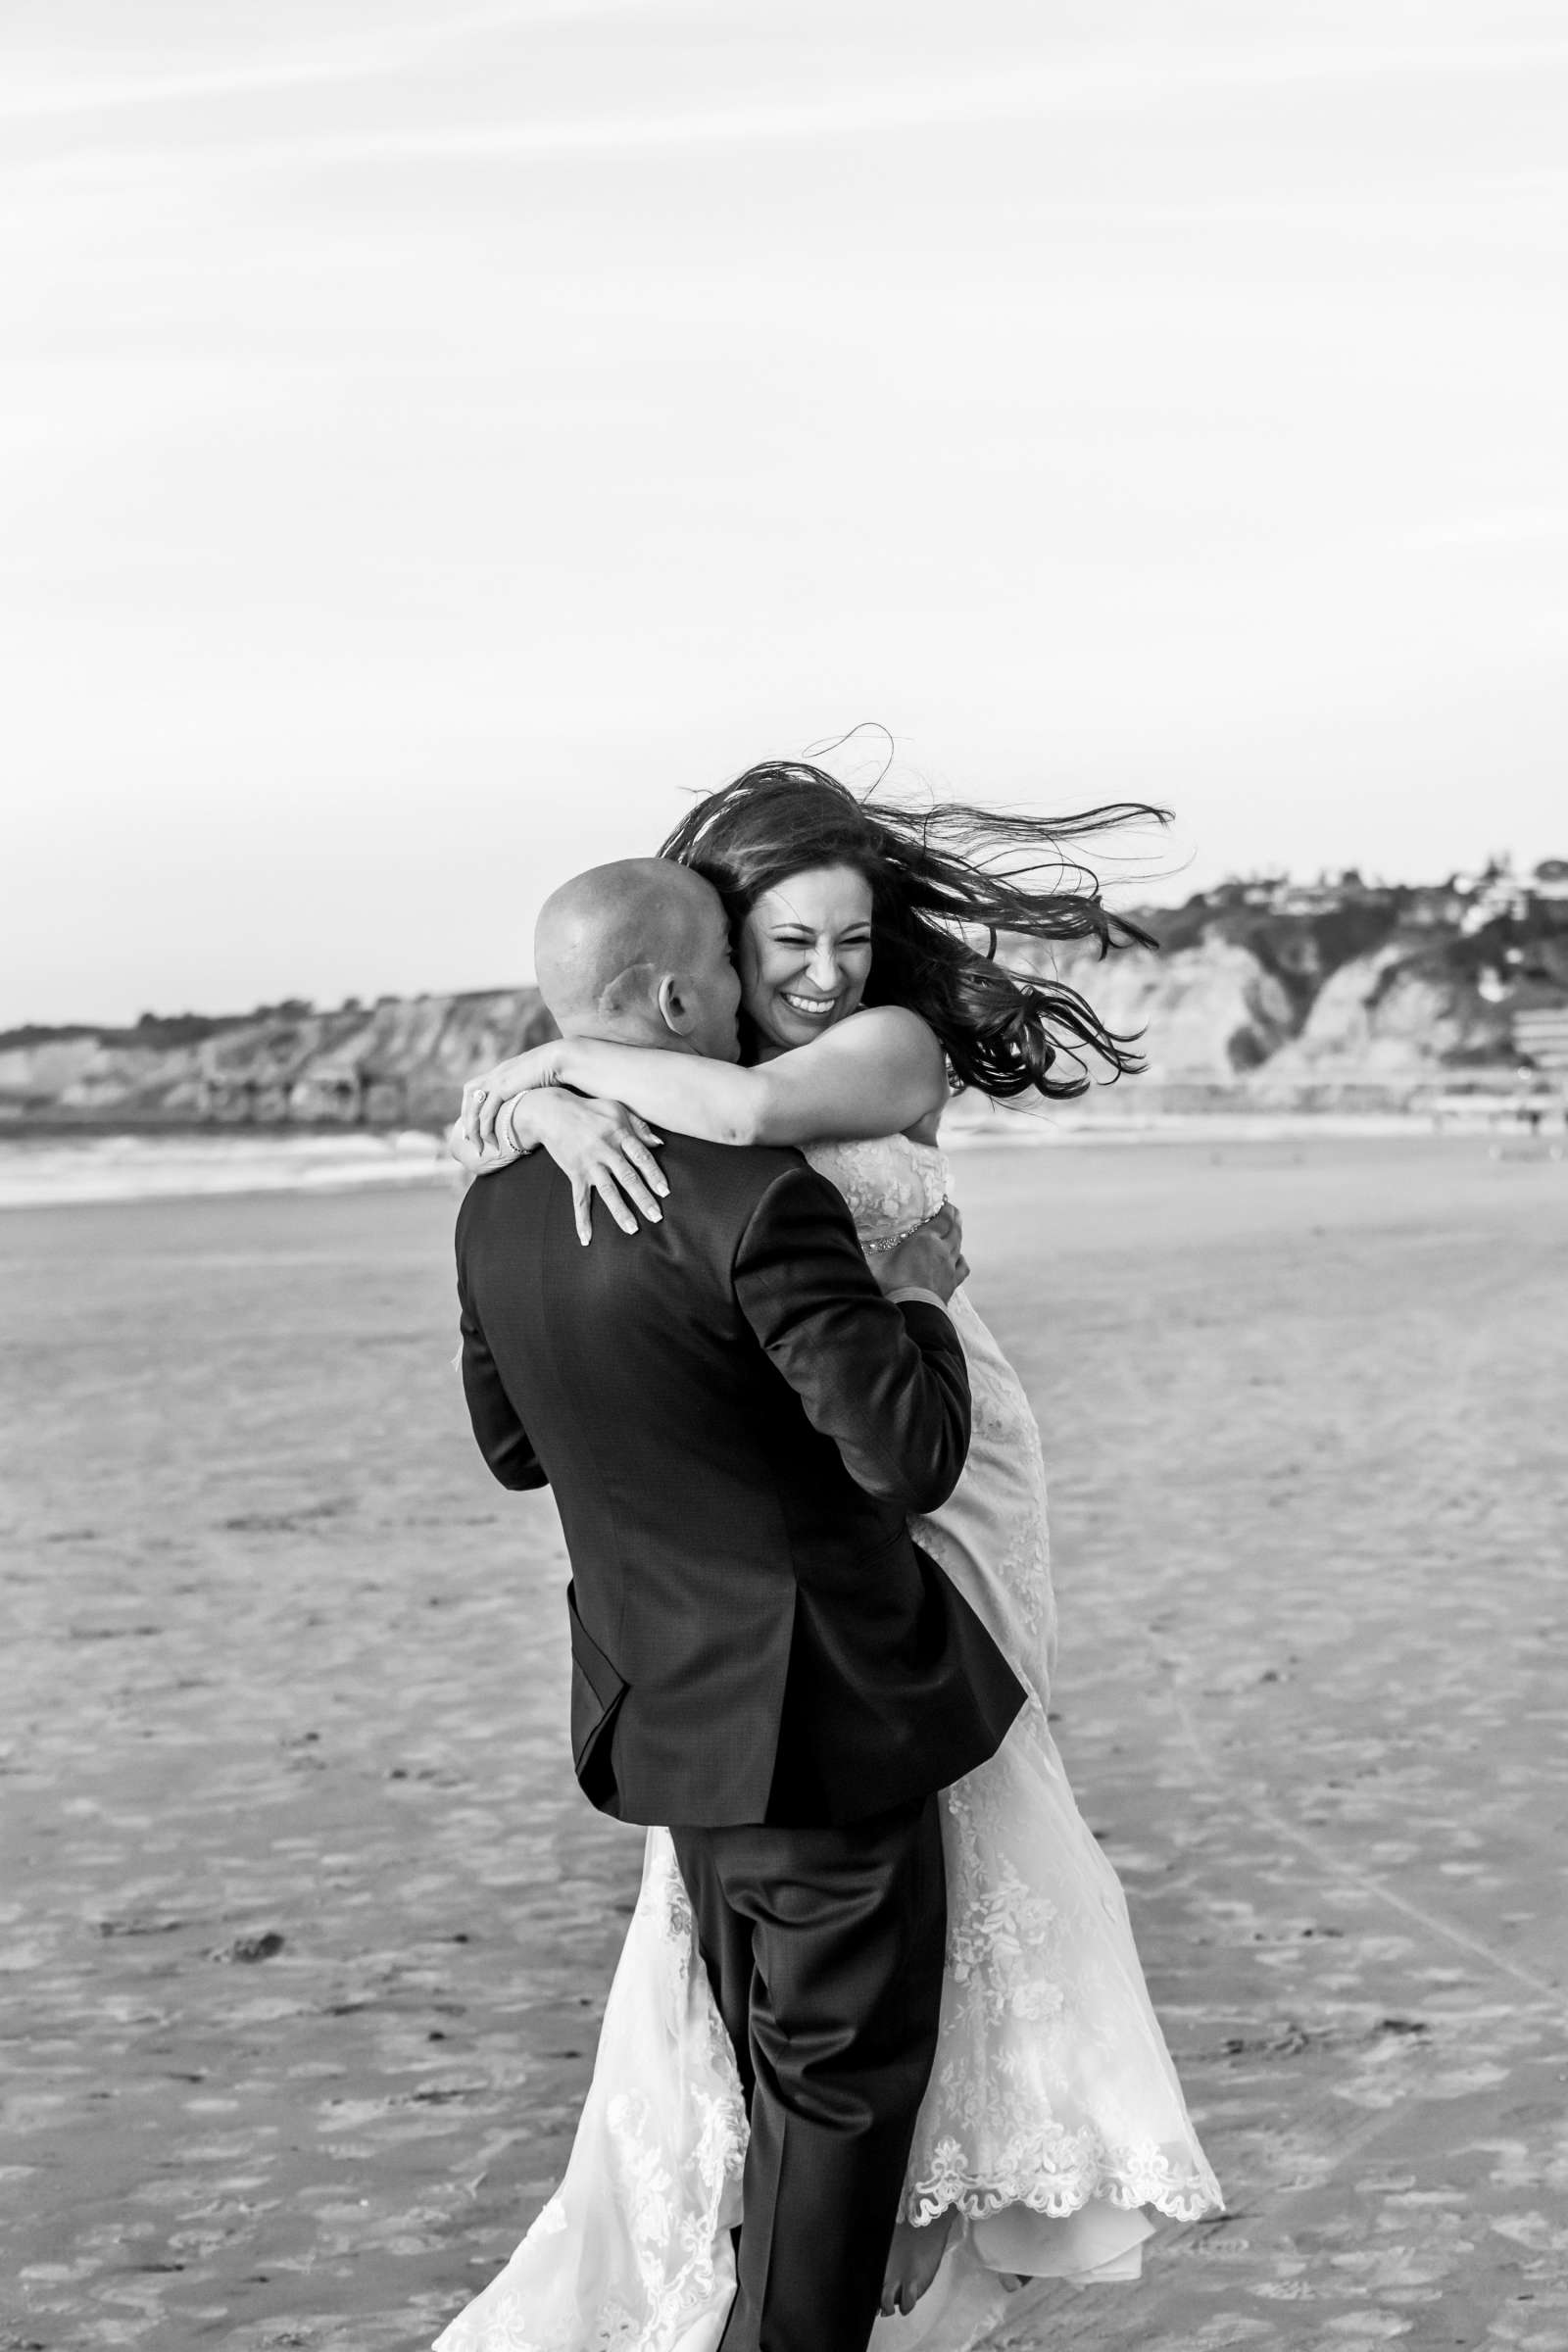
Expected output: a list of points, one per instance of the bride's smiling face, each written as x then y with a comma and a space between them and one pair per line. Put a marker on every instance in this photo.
805, 954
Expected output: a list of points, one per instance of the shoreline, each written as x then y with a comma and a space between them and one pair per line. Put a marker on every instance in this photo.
77, 1167
129, 1166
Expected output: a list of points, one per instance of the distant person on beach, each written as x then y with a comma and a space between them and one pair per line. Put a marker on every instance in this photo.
1053, 2118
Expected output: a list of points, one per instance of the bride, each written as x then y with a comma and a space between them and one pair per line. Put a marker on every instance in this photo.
1053, 2121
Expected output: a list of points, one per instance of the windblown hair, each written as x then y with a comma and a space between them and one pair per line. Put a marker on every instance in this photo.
941, 879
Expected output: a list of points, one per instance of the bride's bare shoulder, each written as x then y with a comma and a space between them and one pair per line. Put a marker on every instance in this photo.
884, 1029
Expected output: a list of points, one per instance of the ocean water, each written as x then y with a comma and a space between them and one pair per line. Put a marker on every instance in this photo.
35, 1171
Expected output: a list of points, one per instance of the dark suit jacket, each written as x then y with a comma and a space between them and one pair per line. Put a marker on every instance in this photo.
737, 1425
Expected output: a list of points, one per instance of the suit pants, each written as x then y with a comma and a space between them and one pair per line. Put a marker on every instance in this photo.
824, 1948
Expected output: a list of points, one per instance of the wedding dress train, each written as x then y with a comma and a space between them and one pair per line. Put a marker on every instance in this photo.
1054, 2121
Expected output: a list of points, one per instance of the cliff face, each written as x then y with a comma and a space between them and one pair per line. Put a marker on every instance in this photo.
1390, 1014
1370, 989
401, 1063
1259, 992
1207, 1014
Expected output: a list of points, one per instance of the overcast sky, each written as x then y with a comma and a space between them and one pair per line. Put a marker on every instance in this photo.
435, 438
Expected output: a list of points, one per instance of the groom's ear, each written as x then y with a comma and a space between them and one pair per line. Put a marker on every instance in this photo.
628, 995
676, 1008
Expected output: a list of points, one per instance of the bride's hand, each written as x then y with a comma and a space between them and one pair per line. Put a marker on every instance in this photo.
599, 1147
486, 1097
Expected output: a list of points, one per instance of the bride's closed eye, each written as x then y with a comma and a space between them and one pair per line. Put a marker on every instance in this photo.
807, 939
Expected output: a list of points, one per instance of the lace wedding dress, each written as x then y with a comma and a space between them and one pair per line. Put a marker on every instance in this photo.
1053, 2120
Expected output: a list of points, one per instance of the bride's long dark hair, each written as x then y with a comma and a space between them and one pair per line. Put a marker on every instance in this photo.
939, 876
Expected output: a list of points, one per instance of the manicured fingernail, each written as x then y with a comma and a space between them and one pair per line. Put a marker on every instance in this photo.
663, 1189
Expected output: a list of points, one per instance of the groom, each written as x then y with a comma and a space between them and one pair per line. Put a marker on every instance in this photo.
737, 1423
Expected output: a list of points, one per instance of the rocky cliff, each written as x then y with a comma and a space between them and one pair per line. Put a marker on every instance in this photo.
399, 1063
1342, 992
1266, 993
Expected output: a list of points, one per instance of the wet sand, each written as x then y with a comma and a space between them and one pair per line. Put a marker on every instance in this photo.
304, 1928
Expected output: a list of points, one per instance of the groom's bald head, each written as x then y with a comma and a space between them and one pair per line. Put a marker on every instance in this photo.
639, 952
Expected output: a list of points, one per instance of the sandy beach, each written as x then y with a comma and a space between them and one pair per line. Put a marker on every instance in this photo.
306, 1927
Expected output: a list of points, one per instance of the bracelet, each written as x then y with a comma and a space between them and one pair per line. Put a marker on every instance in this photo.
898, 1238
505, 1120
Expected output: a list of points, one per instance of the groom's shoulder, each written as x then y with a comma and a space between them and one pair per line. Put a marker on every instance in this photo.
495, 1200
732, 1176
735, 1190
717, 1184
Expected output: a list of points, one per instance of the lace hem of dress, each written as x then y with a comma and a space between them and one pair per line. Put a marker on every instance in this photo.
632, 2252
1055, 2174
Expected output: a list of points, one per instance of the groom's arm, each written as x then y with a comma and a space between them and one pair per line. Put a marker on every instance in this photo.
502, 1439
887, 1382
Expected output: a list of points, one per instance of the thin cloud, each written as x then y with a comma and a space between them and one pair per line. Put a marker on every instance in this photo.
1523, 526
1024, 91
391, 53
